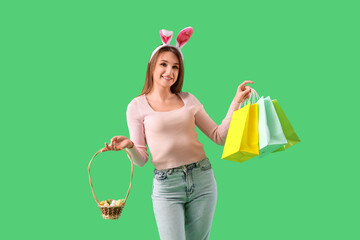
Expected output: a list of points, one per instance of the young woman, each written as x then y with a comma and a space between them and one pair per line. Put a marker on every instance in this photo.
163, 117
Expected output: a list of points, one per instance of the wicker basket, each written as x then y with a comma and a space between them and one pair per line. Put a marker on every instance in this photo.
107, 211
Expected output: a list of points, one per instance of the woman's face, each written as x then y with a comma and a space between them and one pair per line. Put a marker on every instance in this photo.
167, 66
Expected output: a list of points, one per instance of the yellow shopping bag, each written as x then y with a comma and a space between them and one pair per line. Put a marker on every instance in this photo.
242, 140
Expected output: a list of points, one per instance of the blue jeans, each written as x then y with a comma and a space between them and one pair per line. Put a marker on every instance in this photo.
184, 201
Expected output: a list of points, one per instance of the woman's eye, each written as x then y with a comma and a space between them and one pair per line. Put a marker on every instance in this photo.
164, 64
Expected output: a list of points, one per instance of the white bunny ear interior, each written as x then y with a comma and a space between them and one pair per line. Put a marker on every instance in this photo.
183, 37
166, 36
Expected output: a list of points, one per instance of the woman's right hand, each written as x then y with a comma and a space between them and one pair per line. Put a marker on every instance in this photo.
243, 92
118, 143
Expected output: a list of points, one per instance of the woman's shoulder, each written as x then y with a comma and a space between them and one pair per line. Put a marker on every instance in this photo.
190, 97
186, 94
137, 99
135, 102
136, 107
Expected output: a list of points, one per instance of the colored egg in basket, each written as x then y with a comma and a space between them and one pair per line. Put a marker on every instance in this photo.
112, 203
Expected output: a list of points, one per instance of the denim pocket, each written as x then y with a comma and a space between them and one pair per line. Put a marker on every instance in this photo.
205, 167
160, 175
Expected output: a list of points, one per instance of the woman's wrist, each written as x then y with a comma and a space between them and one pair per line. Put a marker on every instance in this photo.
238, 100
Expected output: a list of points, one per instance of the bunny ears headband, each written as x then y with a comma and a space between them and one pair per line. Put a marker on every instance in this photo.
182, 38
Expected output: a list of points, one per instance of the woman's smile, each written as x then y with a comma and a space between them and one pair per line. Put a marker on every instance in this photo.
167, 78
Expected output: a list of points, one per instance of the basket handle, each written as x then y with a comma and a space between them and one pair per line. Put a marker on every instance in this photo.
132, 168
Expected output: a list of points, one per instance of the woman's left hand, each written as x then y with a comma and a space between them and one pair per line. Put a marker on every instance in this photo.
243, 92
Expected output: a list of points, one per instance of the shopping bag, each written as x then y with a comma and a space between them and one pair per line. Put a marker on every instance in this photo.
242, 140
271, 135
291, 137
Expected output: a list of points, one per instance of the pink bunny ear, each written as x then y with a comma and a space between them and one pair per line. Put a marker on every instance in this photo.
166, 36
183, 37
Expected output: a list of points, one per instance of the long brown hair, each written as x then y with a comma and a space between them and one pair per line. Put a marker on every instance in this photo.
149, 81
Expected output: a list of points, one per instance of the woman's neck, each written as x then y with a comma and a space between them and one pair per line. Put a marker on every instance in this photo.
161, 95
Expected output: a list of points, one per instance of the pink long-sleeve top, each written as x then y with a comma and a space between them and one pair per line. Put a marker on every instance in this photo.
171, 136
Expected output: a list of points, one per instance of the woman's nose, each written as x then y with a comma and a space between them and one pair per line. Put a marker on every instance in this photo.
169, 71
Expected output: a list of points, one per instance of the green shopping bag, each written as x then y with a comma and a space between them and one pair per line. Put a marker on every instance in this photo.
291, 137
271, 135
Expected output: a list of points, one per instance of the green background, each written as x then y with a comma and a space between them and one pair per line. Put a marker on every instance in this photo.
69, 69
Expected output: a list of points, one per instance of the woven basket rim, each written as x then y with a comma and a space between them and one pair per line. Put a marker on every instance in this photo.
110, 206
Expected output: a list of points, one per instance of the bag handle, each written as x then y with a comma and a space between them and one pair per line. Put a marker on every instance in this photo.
132, 168
252, 97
